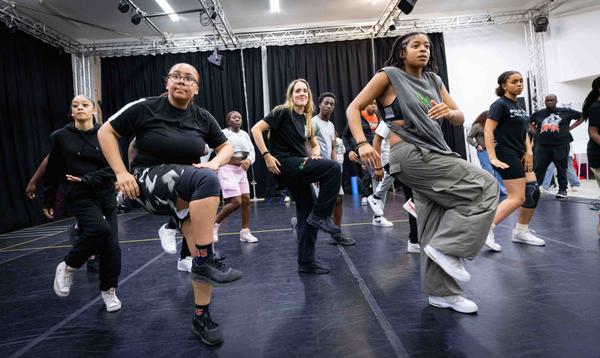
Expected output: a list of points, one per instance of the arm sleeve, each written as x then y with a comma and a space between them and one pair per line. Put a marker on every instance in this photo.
273, 119
125, 120
573, 114
251, 151
382, 130
496, 112
52, 176
98, 177
215, 136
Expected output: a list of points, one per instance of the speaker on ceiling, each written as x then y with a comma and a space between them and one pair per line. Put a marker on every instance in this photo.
540, 24
406, 6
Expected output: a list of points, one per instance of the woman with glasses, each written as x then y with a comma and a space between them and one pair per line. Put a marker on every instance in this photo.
167, 179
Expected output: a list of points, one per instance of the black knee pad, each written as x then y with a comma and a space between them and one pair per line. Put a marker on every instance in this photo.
532, 195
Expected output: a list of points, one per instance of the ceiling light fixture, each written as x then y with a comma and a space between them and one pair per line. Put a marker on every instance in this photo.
136, 18
166, 7
123, 6
274, 6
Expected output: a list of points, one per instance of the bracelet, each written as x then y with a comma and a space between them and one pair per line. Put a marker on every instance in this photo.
361, 144
265, 153
380, 168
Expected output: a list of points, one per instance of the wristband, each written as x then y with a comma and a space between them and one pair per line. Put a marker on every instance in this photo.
361, 144
380, 168
265, 153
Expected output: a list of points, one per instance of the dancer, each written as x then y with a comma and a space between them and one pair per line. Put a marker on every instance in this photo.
171, 133
290, 126
325, 132
233, 177
591, 111
377, 200
553, 136
75, 156
510, 152
475, 138
455, 200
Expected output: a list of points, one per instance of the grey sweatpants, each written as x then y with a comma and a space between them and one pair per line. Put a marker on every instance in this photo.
456, 202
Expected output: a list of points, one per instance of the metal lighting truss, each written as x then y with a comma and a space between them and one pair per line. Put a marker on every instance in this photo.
220, 23
11, 16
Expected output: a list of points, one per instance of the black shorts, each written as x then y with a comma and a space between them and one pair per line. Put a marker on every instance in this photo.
514, 160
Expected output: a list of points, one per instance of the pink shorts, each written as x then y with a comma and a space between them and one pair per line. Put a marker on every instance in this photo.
234, 181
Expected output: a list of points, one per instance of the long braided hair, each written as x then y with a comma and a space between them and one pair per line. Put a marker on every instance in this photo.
591, 97
398, 52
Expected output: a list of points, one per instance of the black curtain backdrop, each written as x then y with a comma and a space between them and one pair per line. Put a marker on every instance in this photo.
454, 135
35, 92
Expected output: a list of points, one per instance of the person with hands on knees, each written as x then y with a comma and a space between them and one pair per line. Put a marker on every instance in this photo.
455, 200
171, 132
233, 176
511, 154
290, 126
75, 157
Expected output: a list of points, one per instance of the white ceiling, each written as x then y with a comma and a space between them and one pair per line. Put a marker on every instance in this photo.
243, 15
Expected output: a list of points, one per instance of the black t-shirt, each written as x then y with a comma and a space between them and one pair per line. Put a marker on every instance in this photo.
166, 134
288, 133
553, 126
593, 149
512, 124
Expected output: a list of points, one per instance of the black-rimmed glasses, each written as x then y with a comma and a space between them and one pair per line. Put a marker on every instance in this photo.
187, 80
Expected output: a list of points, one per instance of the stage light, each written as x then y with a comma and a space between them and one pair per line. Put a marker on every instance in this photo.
540, 24
216, 60
136, 18
123, 6
406, 6
213, 15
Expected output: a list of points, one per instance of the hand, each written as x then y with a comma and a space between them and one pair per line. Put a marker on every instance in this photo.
272, 164
315, 157
245, 164
479, 148
73, 178
127, 184
48, 213
528, 162
368, 155
378, 174
499, 164
438, 110
212, 165
353, 156
30, 191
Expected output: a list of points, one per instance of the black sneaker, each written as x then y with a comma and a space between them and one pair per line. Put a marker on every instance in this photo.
93, 264
315, 267
324, 224
214, 272
561, 193
342, 239
207, 330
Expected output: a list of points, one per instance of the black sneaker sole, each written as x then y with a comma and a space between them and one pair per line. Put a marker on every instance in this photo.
317, 226
204, 279
204, 340
333, 242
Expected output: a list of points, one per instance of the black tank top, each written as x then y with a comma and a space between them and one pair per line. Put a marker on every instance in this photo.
392, 112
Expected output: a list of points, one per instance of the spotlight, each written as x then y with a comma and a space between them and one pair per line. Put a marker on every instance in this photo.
406, 6
540, 24
123, 6
213, 15
392, 27
216, 60
136, 18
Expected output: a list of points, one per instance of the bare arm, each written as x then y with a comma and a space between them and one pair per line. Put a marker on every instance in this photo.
488, 137
257, 133
448, 109
30, 189
108, 138
577, 123
378, 167
315, 147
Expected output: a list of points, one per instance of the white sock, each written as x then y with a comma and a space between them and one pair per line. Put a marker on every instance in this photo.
522, 227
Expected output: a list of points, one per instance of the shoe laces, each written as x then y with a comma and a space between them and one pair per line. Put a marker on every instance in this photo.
68, 277
207, 321
219, 265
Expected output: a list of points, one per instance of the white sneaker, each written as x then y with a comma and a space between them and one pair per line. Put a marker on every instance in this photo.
63, 279
216, 232
376, 205
457, 303
381, 221
287, 199
110, 300
363, 201
451, 264
410, 207
413, 248
526, 237
168, 240
491, 242
185, 265
246, 236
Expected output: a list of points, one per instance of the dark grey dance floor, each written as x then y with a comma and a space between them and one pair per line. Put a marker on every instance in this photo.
533, 302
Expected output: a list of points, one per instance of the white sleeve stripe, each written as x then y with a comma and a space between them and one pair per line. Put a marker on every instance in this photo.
125, 108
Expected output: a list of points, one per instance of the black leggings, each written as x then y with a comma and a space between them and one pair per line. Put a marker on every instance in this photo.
97, 221
185, 250
297, 174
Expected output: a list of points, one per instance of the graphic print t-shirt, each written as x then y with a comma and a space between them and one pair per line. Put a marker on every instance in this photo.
513, 122
553, 126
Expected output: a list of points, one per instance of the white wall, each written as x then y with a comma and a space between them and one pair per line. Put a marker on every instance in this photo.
476, 57
573, 57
